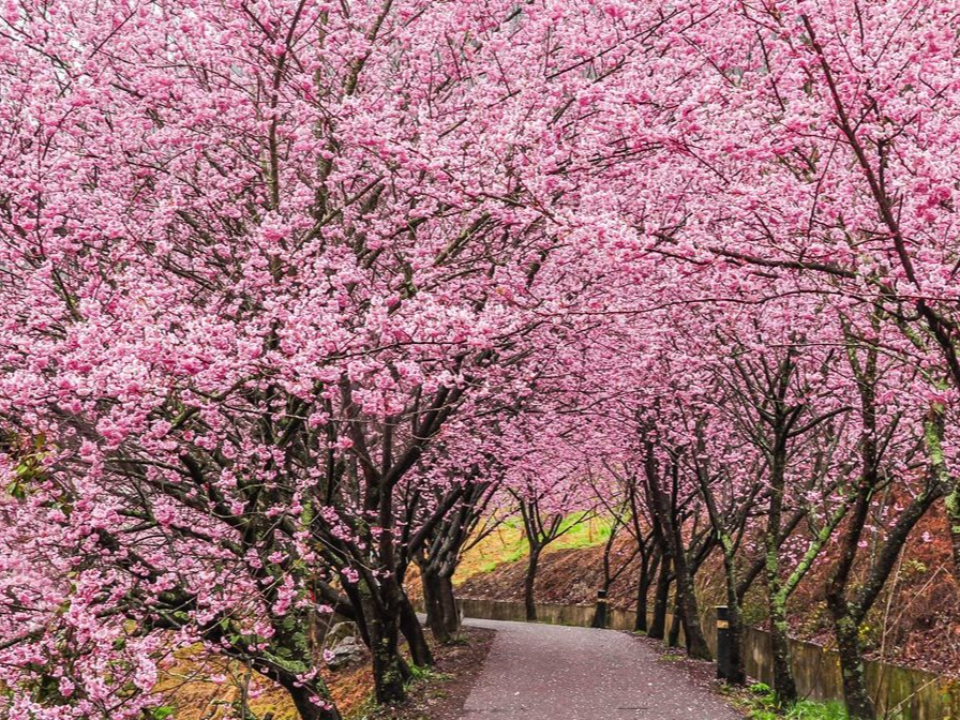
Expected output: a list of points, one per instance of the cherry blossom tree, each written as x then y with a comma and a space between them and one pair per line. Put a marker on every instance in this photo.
256, 258
293, 293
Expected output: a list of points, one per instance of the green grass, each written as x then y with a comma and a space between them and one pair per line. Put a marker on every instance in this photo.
507, 544
807, 710
672, 658
760, 703
519, 552
583, 534
419, 673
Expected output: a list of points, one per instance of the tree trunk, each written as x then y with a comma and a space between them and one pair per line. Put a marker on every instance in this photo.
600, 614
450, 613
855, 694
686, 594
687, 598
952, 505
420, 651
529, 585
662, 597
783, 680
390, 671
647, 569
738, 671
352, 591
431, 601
293, 642
673, 638
643, 589
697, 646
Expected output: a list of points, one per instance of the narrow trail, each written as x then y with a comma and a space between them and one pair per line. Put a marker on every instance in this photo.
549, 672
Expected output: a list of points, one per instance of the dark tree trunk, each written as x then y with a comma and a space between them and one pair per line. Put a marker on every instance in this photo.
673, 638
412, 630
294, 645
671, 529
600, 614
697, 646
737, 666
530, 585
647, 570
390, 671
643, 589
846, 625
783, 679
430, 582
353, 593
686, 595
450, 613
660, 600
443, 615
952, 505
847, 633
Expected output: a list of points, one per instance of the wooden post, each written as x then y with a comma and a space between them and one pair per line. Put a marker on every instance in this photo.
724, 669
600, 615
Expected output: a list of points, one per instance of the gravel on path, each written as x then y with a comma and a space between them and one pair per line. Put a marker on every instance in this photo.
551, 672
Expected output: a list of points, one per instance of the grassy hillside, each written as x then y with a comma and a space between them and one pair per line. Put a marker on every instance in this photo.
507, 545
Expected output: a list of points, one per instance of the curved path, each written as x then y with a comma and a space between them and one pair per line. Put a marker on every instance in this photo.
549, 672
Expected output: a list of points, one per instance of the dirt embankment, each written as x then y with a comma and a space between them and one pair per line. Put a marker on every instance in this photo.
199, 686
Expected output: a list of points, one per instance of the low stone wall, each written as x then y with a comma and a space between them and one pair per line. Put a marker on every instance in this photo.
900, 693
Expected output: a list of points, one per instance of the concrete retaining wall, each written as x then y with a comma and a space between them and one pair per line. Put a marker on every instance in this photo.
900, 693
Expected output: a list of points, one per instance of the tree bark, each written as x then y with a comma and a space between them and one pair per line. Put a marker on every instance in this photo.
529, 584
783, 680
686, 593
697, 646
670, 523
420, 651
431, 600
450, 613
847, 633
390, 671
846, 618
738, 671
673, 638
443, 615
661, 598
952, 506
643, 590
600, 613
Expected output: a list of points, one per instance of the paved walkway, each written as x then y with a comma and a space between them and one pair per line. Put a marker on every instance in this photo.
548, 672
